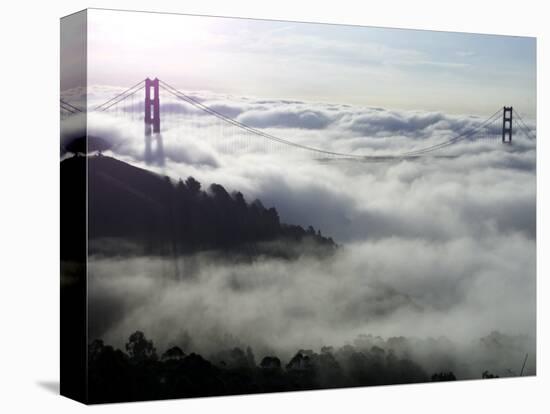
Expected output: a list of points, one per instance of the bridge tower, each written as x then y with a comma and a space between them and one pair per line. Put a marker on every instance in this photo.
152, 123
152, 104
507, 125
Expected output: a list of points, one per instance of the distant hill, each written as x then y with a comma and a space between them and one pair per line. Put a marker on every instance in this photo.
135, 211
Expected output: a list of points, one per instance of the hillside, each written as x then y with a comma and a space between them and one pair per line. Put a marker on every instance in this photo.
135, 211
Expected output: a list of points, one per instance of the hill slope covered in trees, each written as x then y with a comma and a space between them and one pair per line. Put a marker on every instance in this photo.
154, 215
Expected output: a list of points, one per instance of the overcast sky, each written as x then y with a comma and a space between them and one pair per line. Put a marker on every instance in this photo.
392, 68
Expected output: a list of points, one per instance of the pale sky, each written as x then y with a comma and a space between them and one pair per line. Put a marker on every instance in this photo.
390, 68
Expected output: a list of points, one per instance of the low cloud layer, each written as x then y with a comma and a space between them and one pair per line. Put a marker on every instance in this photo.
437, 246
461, 290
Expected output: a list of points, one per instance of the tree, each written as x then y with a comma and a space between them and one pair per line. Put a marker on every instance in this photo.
271, 362
220, 193
180, 186
239, 199
444, 376
174, 353
193, 186
140, 348
95, 348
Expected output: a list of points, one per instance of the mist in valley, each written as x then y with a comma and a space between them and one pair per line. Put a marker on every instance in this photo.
435, 259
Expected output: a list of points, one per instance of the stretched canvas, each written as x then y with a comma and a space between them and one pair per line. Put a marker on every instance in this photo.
256, 206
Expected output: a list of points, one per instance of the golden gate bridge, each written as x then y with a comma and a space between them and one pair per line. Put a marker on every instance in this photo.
501, 126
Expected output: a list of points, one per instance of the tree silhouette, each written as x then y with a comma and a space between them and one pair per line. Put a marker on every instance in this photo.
271, 362
173, 354
161, 217
140, 348
193, 186
443, 376
139, 375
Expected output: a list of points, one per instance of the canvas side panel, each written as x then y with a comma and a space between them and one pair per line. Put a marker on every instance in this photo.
73, 190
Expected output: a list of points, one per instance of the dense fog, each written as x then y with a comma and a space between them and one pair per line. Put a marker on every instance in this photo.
439, 251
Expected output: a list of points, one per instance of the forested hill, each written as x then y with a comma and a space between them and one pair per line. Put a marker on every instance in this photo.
160, 216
